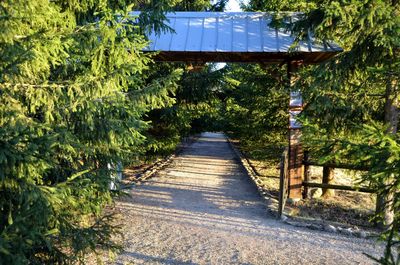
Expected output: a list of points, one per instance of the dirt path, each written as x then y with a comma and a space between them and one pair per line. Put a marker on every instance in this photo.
203, 210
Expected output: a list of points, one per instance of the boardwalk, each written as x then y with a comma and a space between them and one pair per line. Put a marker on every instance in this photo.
203, 209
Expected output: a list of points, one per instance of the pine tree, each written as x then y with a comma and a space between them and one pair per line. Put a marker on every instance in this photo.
351, 111
368, 73
72, 100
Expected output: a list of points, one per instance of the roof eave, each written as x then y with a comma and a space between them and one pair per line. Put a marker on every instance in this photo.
244, 57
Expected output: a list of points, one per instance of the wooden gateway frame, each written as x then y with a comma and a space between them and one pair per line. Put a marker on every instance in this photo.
245, 37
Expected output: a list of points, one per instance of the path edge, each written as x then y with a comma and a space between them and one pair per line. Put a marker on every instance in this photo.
162, 162
272, 203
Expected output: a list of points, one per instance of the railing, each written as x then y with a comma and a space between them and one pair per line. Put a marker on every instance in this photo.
306, 183
284, 179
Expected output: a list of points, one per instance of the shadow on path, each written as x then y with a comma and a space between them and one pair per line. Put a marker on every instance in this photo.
203, 209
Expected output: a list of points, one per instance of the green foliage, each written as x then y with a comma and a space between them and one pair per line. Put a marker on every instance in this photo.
194, 104
278, 5
254, 111
199, 5
351, 111
381, 152
77, 95
73, 93
200, 95
194, 109
357, 88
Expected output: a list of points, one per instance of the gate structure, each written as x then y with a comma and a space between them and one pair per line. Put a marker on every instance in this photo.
245, 37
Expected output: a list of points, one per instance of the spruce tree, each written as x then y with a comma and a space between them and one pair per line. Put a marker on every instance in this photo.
72, 100
365, 79
351, 112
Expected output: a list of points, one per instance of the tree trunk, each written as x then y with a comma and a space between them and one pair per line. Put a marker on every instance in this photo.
328, 174
384, 202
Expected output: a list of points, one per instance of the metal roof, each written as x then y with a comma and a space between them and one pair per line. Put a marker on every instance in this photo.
232, 37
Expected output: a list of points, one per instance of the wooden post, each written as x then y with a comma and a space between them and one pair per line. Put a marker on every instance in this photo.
282, 183
328, 175
306, 174
296, 169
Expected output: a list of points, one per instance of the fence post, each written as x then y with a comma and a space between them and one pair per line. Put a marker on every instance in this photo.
296, 170
283, 182
328, 174
306, 174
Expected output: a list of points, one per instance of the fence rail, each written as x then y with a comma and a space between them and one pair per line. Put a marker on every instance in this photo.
306, 182
337, 187
284, 179
332, 165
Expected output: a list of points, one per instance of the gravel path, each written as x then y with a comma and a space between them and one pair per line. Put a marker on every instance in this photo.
203, 209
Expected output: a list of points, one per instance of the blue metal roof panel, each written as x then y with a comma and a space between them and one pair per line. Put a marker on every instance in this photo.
179, 38
234, 32
229, 32
195, 33
224, 34
210, 35
254, 34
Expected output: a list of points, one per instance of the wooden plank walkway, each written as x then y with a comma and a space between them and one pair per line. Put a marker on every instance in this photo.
203, 209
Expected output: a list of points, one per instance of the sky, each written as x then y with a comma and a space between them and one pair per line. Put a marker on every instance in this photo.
233, 6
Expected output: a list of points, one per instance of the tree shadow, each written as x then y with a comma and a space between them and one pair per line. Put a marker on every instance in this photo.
211, 190
153, 259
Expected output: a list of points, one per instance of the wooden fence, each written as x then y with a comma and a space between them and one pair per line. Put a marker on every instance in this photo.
284, 179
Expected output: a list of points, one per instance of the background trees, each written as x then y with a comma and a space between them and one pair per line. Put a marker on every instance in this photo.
195, 100
255, 107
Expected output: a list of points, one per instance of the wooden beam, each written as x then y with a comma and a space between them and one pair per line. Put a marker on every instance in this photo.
243, 57
296, 156
195, 67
